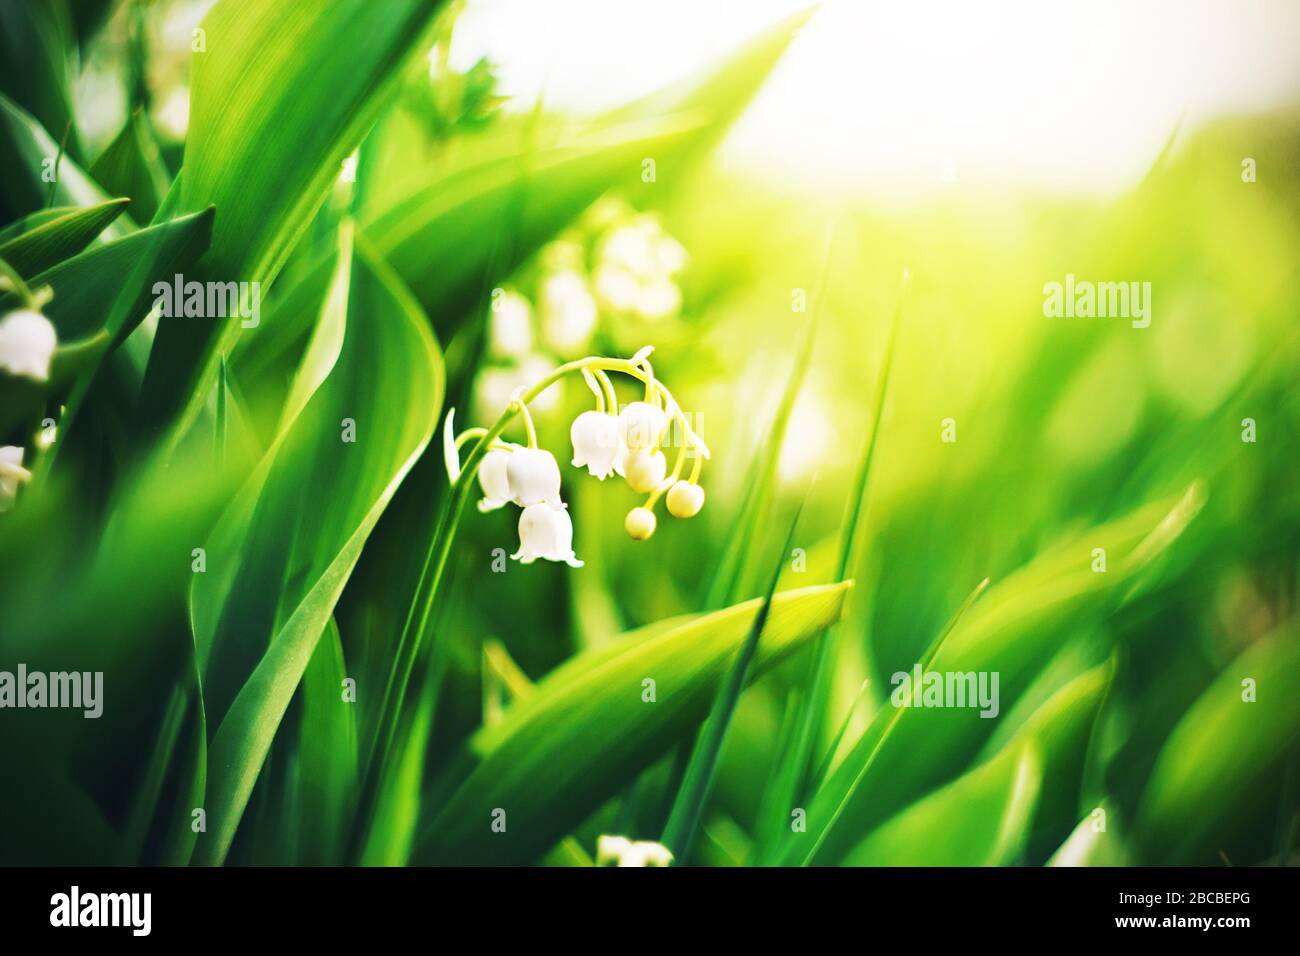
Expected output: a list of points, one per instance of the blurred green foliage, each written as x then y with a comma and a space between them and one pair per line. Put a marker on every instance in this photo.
197, 527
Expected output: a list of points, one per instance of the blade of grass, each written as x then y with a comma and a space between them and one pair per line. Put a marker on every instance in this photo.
684, 818
725, 586
790, 783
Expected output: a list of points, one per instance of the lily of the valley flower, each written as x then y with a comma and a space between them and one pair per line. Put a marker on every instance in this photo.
568, 311
495, 481
597, 443
27, 344
642, 425
12, 474
605, 441
546, 532
620, 851
534, 477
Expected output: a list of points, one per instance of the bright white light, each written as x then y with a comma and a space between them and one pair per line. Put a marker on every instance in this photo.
898, 98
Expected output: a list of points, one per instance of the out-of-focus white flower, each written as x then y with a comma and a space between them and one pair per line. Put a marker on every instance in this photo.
596, 439
620, 851
545, 532
510, 325
494, 387
659, 300
685, 499
534, 477
494, 480
12, 474
645, 470
568, 311
27, 344
637, 267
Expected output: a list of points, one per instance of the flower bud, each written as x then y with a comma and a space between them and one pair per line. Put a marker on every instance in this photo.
595, 437
685, 499
642, 425
534, 477
545, 532
640, 523
645, 471
27, 344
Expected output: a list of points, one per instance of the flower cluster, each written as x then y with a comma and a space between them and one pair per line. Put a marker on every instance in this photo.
620, 851
613, 265
607, 440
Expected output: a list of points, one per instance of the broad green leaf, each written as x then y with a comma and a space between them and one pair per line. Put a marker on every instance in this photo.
1013, 632
50, 240
130, 166
282, 94
980, 819
37, 44
1032, 781
321, 498
109, 287
586, 732
1096, 841
1219, 752
327, 755
29, 157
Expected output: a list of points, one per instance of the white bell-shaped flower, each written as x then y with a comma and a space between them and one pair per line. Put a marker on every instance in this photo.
546, 532
12, 474
27, 344
642, 425
596, 443
534, 477
645, 470
494, 480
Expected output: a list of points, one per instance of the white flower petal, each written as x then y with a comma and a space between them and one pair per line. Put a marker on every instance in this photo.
27, 344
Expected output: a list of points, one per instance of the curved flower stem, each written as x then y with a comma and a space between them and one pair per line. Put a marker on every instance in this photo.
21, 289
528, 422
596, 389
607, 386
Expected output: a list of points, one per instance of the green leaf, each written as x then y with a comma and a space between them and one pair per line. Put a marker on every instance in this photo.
47, 240
108, 288
1012, 631
1195, 790
281, 95
979, 819
131, 166
37, 43
327, 755
688, 805
319, 501
28, 155
586, 732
